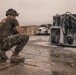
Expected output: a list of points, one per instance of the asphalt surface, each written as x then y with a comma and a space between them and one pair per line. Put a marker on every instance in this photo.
36, 60
41, 58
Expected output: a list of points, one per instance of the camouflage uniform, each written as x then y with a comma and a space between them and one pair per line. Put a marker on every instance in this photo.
9, 38
18, 40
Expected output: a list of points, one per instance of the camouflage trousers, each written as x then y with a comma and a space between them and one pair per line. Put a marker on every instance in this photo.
18, 40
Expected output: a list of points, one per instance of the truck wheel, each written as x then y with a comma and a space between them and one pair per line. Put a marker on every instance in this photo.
70, 40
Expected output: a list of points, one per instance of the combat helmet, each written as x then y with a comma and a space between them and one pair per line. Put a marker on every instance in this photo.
11, 12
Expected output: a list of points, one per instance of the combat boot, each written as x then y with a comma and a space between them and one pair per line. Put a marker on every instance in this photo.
16, 55
3, 54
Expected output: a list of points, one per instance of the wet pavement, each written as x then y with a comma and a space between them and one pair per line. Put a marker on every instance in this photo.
41, 59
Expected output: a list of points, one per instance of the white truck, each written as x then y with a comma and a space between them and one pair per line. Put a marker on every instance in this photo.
43, 29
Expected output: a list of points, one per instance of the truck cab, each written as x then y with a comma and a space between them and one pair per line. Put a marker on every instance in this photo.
43, 29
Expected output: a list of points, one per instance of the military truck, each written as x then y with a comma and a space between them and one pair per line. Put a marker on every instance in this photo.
63, 30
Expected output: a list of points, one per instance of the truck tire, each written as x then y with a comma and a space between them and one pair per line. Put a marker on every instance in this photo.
70, 40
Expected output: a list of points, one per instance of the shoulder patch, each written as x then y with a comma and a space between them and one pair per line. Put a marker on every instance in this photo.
2, 22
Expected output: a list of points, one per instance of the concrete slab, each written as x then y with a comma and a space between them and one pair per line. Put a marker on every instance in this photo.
41, 59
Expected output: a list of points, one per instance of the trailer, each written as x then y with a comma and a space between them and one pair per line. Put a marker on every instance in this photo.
63, 30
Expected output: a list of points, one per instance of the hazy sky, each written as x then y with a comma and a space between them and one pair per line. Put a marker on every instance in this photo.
37, 11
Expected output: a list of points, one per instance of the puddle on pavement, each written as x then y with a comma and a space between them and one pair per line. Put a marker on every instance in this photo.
64, 61
59, 73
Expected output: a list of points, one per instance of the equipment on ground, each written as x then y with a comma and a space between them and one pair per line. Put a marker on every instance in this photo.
63, 31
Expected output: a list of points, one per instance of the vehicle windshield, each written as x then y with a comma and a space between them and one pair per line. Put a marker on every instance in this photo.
43, 26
